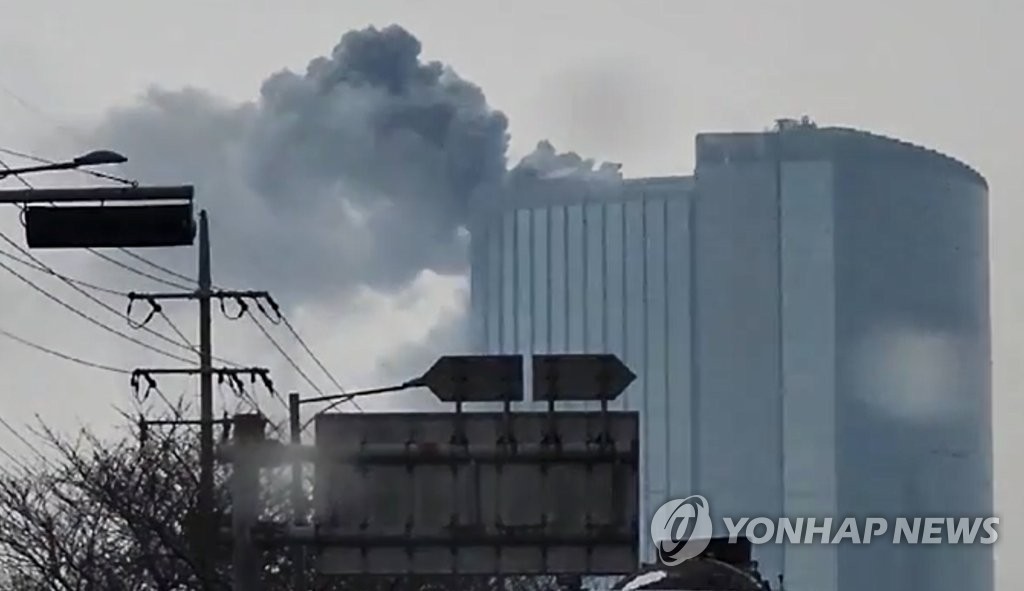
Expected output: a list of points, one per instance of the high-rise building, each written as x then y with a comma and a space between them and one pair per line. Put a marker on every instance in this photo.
808, 317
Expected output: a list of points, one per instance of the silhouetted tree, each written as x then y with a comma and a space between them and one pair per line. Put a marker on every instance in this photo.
120, 515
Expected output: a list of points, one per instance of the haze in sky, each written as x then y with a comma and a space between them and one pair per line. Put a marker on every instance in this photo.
614, 81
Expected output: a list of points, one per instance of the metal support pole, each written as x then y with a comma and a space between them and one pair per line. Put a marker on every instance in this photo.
210, 528
98, 194
247, 568
298, 496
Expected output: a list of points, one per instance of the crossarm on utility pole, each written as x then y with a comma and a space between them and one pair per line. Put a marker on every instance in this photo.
224, 294
220, 371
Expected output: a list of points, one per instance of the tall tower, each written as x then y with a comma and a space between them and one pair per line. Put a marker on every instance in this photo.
809, 319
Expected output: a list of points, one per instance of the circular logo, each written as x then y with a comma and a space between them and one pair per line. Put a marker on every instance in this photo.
681, 529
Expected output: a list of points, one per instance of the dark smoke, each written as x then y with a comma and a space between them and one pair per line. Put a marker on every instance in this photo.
356, 173
547, 163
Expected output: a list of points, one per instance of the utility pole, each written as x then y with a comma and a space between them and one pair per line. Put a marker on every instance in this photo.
298, 494
208, 529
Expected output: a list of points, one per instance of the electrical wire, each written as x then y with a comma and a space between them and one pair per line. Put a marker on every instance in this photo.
309, 351
176, 285
89, 318
284, 354
126, 251
39, 265
89, 296
157, 266
15, 460
328, 409
17, 176
79, 282
174, 408
177, 331
138, 272
291, 329
20, 437
93, 251
63, 356
282, 319
28, 106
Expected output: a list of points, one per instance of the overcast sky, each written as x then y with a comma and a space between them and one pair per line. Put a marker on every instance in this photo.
631, 82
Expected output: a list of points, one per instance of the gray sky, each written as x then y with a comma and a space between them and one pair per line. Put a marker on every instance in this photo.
631, 82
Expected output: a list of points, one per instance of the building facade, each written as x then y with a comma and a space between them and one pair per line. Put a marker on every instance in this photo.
808, 319
600, 267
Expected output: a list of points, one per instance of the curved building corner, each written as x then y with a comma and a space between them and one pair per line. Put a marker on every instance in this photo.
808, 317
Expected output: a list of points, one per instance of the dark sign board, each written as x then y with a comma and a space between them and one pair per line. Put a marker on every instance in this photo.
600, 376
109, 226
476, 378
477, 493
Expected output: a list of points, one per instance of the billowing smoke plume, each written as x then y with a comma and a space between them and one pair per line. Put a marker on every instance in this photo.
357, 172
546, 163
354, 174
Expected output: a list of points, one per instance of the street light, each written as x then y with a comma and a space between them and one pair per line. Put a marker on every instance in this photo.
99, 224
94, 158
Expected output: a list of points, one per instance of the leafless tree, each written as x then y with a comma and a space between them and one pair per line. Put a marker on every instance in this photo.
120, 515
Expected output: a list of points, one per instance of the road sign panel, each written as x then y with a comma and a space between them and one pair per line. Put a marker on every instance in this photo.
109, 226
476, 378
397, 494
579, 377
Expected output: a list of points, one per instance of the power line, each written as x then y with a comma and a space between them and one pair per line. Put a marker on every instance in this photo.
89, 296
93, 251
157, 266
181, 335
174, 408
291, 329
176, 285
39, 265
17, 461
63, 356
284, 354
17, 434
139, 272
28, 106
309, 351
43, 269
17, 176
89, 318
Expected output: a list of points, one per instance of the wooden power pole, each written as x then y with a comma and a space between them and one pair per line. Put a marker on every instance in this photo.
208, 531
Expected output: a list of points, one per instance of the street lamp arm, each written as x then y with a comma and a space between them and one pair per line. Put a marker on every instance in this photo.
94, 158
340, 398
359, 393
40, 168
